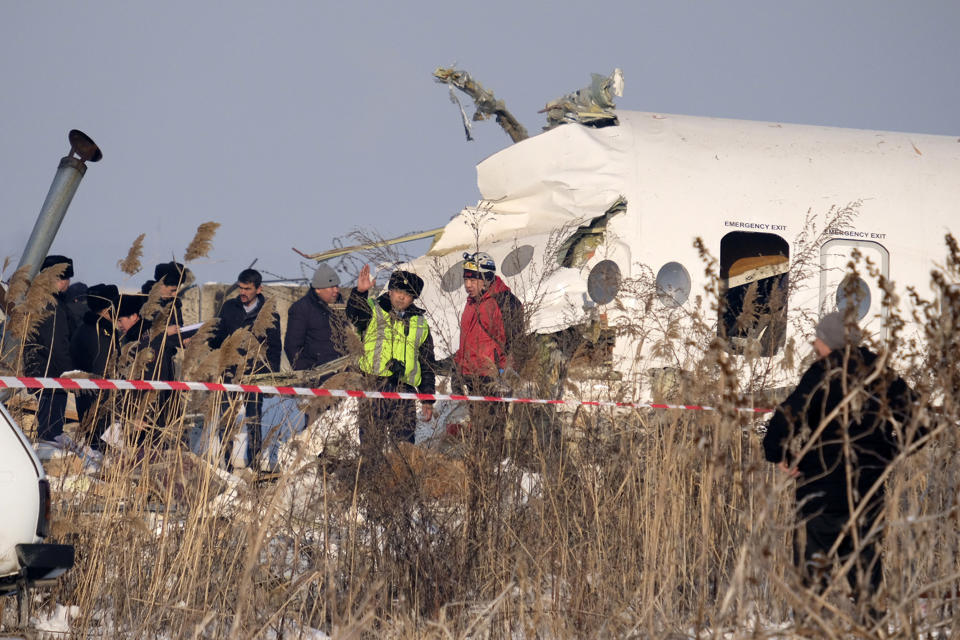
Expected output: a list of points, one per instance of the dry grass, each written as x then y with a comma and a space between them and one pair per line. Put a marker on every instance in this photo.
202, 241
597, 523
130, 265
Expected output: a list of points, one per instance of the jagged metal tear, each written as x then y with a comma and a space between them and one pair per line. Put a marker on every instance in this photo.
467, 126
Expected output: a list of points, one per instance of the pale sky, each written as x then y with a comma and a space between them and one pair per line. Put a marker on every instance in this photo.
294, 123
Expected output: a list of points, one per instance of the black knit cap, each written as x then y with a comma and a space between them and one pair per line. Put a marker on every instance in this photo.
406, 281
130, 303
49, 261
77, 291
102, 296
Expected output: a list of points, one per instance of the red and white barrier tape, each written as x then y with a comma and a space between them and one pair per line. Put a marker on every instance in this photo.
75, 384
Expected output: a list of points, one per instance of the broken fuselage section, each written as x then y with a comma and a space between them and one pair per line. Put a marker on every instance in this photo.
596, 226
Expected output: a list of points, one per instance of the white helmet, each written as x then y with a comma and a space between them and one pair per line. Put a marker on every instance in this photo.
479, 265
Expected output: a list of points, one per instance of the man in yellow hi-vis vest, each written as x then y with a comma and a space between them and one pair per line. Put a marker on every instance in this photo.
397, 355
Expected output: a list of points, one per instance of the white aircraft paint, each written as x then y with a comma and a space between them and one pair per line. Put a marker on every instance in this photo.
685, 177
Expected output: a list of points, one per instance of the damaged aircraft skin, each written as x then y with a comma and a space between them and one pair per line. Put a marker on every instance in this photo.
575, 214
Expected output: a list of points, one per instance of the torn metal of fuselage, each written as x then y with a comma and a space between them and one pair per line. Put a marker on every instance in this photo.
592, 105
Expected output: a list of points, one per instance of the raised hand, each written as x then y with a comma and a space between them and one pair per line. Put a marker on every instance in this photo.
365, 281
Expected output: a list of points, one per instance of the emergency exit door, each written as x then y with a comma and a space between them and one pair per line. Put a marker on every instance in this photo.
840, 288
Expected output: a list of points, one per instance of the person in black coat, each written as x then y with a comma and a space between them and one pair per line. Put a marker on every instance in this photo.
76, 296
170, 277
849, 417
94, 349
242, 312
47, 354
138, 331
313, 330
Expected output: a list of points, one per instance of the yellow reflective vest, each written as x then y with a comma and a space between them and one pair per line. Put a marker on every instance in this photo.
391, 338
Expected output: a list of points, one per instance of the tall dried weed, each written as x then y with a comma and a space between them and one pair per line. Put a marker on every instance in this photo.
597, 522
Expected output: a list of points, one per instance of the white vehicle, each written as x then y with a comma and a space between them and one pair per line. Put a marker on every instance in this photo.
571, 214
25, 560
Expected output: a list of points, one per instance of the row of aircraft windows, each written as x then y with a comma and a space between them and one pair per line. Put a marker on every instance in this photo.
746, 258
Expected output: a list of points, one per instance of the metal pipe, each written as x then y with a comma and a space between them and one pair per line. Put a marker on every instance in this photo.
69, 173
65, 182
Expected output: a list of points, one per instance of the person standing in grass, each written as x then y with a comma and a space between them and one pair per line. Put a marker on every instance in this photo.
313, 329
47, 354
397, 356
491, 327
94, 349
849, 417
242, 312
169, 278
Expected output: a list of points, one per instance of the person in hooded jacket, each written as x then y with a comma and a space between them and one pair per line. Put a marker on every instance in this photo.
47, 354
76, 297
846, 421
94, 349
491, 327
397, 356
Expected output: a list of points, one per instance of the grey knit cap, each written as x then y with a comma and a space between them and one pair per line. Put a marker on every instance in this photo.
834, 332
325, 277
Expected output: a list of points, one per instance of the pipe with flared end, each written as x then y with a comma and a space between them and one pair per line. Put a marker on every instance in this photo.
65, 182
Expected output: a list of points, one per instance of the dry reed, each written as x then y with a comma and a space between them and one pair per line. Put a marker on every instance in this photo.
130, 265
595, 523
202, 241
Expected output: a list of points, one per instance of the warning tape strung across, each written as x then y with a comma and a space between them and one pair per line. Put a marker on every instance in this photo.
96, 384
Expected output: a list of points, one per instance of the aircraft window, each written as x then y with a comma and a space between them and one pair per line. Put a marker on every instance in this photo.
854, 292
754, 278
453, 278
673, 284
517, 260
603, 283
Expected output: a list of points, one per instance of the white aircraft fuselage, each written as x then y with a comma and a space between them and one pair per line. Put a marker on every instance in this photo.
749, 190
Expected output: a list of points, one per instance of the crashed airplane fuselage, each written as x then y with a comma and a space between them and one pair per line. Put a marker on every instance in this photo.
578, 217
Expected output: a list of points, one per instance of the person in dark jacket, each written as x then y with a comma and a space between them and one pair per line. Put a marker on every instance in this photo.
397, 356
76, 296
47, 354
491, 327
314, 332
169, 278
849, 417
143, 334
94, 349
242, 312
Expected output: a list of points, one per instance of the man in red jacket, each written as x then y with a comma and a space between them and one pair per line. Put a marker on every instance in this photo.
490, 328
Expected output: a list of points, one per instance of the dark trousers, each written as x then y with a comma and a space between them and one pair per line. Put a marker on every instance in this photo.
385, 421
485, 441
486, 418
822, 530
51, 405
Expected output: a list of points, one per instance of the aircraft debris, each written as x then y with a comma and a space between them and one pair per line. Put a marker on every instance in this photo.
487, 104
592, 105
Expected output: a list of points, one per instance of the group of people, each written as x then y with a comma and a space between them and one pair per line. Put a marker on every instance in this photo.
849, 417
65, 340
397, 351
